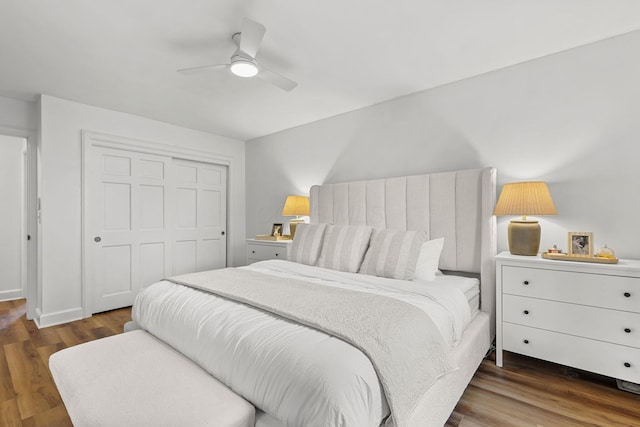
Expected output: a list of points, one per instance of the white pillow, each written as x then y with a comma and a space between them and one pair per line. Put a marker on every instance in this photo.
393, 254
428, 260
344, 247
307, 243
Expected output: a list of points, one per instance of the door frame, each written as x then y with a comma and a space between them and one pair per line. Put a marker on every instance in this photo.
30, 249
91, 140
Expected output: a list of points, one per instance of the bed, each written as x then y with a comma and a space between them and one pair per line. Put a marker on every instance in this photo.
361, 328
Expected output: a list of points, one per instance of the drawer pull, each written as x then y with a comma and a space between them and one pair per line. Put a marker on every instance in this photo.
627, 330
526, 312
526, 282
253, 252
627, 364
627, 294
276, 254
526, 341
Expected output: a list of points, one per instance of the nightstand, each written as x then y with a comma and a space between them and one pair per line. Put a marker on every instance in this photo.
583, 315
260, 250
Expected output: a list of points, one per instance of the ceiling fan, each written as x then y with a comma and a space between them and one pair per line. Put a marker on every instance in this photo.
243, 61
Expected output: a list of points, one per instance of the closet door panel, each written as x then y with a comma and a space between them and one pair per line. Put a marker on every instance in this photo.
199, 231
126, 231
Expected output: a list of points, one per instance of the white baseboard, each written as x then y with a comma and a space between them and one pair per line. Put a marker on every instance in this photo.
11, 295
57, 318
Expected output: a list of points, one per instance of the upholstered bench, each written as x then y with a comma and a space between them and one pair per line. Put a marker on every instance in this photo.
134, 379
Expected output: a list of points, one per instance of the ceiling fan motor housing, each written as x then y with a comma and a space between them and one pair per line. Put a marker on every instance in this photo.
243, 66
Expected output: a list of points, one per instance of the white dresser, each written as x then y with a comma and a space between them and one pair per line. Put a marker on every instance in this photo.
583, 315
260, 250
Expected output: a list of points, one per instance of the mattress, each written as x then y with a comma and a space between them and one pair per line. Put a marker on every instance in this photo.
291, 371
469, 286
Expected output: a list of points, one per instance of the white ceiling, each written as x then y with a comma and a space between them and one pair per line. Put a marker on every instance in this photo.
123, 54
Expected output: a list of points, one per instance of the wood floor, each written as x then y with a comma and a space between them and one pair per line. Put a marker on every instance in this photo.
526, 392
28, 395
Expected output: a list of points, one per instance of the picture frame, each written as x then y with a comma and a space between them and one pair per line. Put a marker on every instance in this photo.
276, 230
580, 243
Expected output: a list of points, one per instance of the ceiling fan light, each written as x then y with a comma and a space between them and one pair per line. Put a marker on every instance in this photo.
244, 68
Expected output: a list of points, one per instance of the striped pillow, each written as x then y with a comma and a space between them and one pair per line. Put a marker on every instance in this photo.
393, 254
307, 243
344, 247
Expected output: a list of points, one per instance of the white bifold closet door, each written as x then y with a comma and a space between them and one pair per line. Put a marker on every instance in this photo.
199, 241
150, 217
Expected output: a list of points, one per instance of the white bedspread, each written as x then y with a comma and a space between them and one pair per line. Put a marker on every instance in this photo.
298, 375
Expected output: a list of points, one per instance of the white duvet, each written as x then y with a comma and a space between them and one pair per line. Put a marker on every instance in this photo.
296, 374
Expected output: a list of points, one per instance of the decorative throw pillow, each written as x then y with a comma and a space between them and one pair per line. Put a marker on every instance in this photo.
393, 254
344, 247
428, 260
307, 243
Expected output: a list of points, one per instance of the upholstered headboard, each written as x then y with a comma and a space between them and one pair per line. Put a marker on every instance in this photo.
455, 205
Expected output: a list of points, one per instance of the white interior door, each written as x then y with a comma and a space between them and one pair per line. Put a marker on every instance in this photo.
200, 216
12, 217
128, 224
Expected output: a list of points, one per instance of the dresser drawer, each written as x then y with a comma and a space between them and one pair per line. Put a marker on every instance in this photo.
589, 355
617, 327
260, 252
598, 290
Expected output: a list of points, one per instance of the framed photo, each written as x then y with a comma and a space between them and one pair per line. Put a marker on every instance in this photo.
580, 244
276, 230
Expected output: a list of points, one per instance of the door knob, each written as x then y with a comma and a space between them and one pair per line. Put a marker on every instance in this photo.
97, 239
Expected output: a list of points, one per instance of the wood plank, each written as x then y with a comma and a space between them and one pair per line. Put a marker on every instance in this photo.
6, 386
31, 379
55, 417
11, 327
9, 414
506, 411
72, 334
41, 337
46, 351
114, 320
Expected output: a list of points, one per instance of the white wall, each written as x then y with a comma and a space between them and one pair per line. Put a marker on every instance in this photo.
11, 216
571, 119
17, 114
60, 191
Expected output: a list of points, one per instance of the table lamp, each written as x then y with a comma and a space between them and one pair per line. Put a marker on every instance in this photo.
295, 206
524, 198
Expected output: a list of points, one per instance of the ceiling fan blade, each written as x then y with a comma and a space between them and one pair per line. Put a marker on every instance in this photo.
251, 36
203, 68
276, 79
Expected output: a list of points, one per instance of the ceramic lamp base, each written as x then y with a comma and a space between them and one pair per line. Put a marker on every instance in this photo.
524, 237
292, 226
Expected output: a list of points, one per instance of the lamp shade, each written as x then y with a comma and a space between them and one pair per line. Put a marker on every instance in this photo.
296, 206
525, 198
